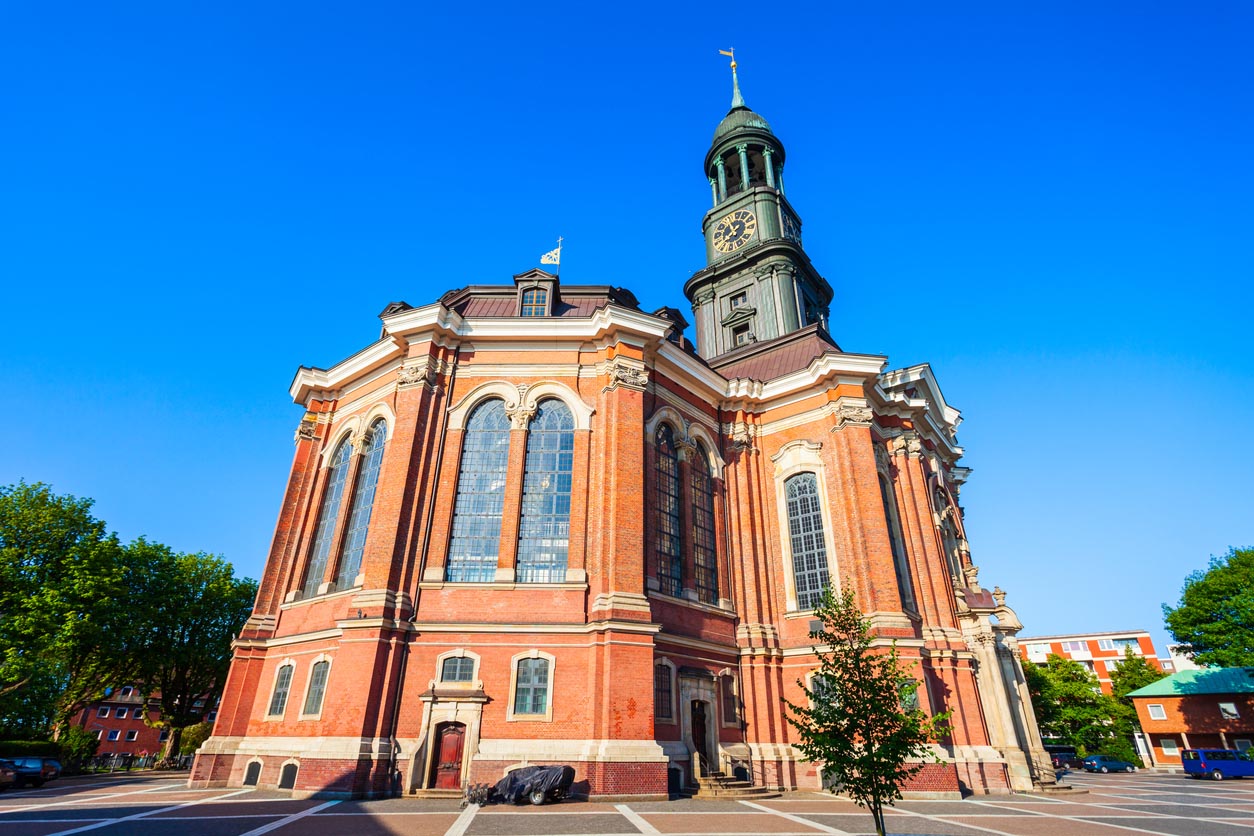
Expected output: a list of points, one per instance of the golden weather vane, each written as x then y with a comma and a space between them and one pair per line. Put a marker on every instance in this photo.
730, 53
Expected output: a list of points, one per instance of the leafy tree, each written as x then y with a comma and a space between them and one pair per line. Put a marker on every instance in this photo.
192, 606
63, 595
862, 722
78, 745
1071, 708
193, 736
1215, 618
1132, 673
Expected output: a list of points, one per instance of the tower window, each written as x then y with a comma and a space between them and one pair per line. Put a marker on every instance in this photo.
535, 302
740, 300
741, 335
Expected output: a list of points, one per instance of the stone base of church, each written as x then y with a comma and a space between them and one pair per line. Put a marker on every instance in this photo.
597, 781
325, 767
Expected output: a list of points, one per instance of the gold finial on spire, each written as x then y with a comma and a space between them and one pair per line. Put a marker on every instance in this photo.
730, 53
737, 99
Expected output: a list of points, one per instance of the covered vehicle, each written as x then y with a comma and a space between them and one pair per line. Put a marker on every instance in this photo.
535, 784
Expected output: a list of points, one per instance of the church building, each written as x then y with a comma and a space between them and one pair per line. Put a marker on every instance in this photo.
535, 524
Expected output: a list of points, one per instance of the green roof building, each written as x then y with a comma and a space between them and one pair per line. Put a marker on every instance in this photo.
1208, 708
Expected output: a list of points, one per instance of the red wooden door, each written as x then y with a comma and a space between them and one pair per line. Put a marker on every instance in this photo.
448, 757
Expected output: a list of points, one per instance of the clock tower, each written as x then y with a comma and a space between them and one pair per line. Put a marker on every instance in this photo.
758, 283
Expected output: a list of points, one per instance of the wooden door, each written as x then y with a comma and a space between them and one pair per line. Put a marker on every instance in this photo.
450, 739
699, 741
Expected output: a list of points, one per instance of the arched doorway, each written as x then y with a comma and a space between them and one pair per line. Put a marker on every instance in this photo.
700, 738
450, 743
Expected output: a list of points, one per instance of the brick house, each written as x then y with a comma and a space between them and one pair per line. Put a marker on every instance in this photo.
534, 523
1205, 708
1099, 652
117, 721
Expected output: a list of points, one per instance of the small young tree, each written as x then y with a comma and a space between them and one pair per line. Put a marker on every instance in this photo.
862, 723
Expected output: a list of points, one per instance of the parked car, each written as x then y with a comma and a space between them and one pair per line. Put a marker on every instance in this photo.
8, 774
1064, 757
35, 771
1105, 763
1216, 764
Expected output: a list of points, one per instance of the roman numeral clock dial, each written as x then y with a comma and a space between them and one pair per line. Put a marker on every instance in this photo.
734, 231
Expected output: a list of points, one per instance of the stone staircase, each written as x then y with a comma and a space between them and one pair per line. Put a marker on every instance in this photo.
434, 793
718, 785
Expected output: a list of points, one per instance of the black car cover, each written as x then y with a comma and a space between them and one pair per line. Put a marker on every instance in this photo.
518, 785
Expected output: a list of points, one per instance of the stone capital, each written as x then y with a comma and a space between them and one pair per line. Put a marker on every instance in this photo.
307, 429
420, 371
907, 443
627, 375
852, 413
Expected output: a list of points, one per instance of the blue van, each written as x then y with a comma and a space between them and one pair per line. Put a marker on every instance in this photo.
1216, 764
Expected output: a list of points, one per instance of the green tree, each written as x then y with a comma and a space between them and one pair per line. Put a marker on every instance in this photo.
1071, 708
193, 736
63, 595
1214, 620
862, 722
191, 606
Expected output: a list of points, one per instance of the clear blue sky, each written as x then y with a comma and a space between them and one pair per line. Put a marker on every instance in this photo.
1051, 203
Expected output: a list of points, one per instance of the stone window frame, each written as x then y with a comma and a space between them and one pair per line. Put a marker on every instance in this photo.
287, 697
547, 716
729, 692
326, 686
351, 428
519, 400
475, 683
673, 717
796, 457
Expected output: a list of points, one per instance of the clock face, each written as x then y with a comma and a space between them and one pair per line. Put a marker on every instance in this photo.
734, 231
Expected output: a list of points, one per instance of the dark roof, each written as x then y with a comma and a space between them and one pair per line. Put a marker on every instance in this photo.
775, 358
737, 119
578, 301
1201, 681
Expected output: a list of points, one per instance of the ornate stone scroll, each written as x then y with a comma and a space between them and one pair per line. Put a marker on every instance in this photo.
627, 376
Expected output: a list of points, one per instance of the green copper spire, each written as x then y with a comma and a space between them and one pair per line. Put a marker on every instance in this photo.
737, 99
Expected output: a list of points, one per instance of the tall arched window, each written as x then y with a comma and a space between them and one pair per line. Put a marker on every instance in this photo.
704, 549
544, 529
669, 546
324, 536
363, 501
805, 534
480, 495
317, 687
278, 697
904, 584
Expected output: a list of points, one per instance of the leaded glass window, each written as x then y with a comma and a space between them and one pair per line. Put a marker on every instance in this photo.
324, 534
480, 496
805, 534
363, 502
904, 584
704, 551
534, 302
317, 687
662, 692
282, 684
544, 529
457, 669
531, 687
669, 545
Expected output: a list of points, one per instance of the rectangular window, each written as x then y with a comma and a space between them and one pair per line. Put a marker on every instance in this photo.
317, 687
282, 683
1169, 747
125, 692
114, 734
730, 712
1243, 744
1228, 711
103, 711
164, 736
121, 713
132, 734
457, 669
1156, 711
739, 300
100, 734
741, 335
662, 692
1071, 647
531, 692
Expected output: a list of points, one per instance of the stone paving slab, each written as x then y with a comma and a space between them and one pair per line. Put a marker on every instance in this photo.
1187, 827
732, 823
508, 824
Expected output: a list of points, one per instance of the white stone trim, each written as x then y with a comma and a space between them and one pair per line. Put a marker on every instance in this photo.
715, 463
520, 396
550, 692
321, 657
475, 682
793, 458
344, 432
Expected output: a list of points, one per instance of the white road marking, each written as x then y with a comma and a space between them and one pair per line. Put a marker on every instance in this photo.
635, 818
274, 825
794, 819
462, 824
143, 815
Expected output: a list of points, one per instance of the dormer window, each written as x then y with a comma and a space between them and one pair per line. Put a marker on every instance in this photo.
535, 302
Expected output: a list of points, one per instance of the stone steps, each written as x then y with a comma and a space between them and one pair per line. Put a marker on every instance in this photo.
718, 785
434, 793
